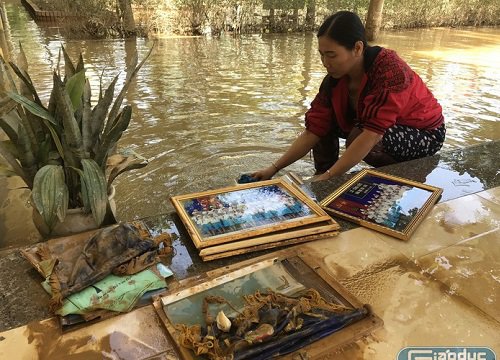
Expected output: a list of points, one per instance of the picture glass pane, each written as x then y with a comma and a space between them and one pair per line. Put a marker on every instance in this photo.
223, 214
381, 201
188, 311
284, 277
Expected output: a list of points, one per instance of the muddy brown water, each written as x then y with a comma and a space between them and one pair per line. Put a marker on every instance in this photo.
206, 110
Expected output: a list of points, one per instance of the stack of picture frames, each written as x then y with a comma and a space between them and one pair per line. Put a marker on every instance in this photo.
389, 204
250, 217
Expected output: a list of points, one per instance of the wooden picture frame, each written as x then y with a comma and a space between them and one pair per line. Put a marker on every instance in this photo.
247, 211
283, 271
392, 205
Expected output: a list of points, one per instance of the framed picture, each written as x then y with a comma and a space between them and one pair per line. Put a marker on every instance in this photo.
286, 273
246, 211
382, 202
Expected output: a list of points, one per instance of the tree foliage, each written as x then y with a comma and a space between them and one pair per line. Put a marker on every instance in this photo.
195, 17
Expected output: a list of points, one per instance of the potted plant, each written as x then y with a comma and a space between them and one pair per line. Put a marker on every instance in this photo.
65, 151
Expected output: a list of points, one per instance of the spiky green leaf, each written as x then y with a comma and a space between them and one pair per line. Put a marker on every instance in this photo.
10, 147
100, 111
32, 107
32, 126
28, 89
80, 66
87, 120
6, 81
69, 68
84, 192
110, 139
9, 124
56, 139
50, 194
74, 87
119, 99
85, 197
22, 60
72, 134
25, 152
123, 163
95, 189
44, 151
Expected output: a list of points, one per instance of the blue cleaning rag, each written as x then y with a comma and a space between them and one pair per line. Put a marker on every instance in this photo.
246, 178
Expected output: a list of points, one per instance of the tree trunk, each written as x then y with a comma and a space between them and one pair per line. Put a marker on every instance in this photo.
127, 16
311, 15
295, 19
271, 20
374, 19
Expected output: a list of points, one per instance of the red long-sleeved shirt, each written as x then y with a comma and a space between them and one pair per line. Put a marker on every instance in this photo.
390, 93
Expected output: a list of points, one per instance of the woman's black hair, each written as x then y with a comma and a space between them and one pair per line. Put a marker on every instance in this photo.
344, 27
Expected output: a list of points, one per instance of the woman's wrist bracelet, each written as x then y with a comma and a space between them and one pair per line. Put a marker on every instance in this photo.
277, 168
328, 172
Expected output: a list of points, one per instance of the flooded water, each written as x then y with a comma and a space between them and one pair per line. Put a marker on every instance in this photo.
206, 110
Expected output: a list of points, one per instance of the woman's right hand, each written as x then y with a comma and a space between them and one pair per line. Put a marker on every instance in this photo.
264, 174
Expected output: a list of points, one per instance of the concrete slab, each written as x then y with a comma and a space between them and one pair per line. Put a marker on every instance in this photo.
449, 223
470, 269
353, 252
491, 195
416, 309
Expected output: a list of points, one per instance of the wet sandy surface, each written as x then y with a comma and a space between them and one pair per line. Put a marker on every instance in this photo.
133, 336
431, 293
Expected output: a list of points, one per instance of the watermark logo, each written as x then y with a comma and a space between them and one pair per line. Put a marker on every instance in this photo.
447, 353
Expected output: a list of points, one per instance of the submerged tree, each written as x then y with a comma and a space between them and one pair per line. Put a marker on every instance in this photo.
310, 14
126, 16
374, 19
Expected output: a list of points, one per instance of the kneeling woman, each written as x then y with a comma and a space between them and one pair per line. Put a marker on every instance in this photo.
370, 97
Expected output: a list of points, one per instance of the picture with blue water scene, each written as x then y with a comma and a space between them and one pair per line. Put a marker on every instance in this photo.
222, 214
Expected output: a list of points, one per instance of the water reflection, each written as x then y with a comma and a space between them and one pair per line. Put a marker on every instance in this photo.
461, 183
206, 110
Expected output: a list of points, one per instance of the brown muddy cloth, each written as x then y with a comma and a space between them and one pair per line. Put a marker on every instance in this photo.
79, 264
163, 246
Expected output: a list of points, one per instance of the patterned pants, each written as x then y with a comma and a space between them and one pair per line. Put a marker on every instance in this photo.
405, 143
401, 142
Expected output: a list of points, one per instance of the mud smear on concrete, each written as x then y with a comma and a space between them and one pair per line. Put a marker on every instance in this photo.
49, 343
369, 284
140, 336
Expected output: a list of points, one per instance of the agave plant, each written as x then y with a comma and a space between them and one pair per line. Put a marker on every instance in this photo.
61, 150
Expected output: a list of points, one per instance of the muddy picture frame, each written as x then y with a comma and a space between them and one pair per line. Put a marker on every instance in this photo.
246, 211
386, 203
304, 267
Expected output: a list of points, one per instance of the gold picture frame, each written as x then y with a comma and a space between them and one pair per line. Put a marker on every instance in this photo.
389, 204
249, 211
